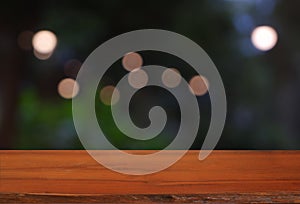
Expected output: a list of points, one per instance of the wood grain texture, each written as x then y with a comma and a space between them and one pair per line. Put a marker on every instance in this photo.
157, 198
263, 174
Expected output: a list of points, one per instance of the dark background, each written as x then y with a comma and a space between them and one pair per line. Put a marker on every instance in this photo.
262, 87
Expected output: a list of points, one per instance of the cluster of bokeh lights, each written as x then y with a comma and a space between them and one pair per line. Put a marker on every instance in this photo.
44, 42
138, 78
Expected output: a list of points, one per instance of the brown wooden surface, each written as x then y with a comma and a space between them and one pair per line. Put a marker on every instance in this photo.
157, 198
224, 175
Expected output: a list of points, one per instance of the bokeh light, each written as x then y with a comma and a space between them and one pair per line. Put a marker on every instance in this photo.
199, 85
264, 38
24, 40
138, 78
106, 95
71, 67
68, 88
171, 78
42, 56
132, 61
44, 42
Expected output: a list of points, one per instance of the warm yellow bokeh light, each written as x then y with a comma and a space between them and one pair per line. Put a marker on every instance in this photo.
132, 61
106, 95
68, 88
44, 42
171, 78
199, 85
264, 38
138, 78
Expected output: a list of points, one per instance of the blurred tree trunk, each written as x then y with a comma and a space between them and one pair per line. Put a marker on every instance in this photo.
11, 63
14, 18
287, 73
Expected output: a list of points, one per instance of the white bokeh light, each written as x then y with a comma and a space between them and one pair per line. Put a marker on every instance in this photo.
264, 38
138, 78
171, 78
44, 42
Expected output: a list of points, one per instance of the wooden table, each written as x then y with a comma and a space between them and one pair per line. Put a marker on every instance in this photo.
224, 177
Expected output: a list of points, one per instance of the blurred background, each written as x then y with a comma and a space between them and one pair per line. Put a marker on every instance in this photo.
253, 43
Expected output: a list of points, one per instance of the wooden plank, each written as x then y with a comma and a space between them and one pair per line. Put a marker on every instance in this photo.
65, 172
162, 198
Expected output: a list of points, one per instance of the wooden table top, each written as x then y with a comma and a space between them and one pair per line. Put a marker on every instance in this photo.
225, 176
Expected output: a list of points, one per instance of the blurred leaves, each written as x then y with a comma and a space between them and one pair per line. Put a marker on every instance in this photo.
45, 124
